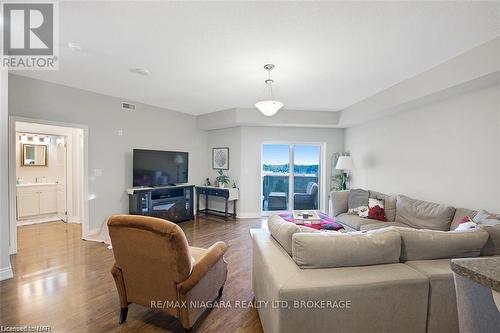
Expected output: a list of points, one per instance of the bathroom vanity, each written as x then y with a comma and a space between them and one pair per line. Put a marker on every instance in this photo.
36, 199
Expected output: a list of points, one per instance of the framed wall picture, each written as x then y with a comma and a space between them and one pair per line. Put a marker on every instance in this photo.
220, 158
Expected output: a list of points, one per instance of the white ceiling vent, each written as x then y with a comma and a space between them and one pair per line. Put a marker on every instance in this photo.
128, 106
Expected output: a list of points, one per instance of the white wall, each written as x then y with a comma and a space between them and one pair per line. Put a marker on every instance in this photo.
231, 138
5, 268
110, 155
447, 151
252, 139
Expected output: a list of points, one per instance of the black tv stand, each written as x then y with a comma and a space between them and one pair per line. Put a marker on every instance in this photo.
173, 203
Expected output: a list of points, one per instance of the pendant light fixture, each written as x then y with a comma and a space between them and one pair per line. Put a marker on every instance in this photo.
269, 106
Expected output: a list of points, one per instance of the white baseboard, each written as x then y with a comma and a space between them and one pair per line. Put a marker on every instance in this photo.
6, 273
94, 236
36, 220
249, 215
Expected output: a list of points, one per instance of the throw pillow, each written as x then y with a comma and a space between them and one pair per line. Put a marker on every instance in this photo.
358, 200
376, 209
389, 204
483, 217
460, 213
465, 219
363, 211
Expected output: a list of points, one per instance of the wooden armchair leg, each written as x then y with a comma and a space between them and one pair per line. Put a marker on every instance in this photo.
122, 294
220, 291
123, 315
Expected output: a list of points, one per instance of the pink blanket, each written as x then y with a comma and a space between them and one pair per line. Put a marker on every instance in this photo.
326, 222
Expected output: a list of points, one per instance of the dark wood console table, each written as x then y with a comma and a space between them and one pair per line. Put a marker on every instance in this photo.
229, 194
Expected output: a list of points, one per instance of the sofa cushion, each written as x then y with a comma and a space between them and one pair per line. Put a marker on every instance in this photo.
354, 222
282, 231
326, 250
424, 244
389, 203
492, 246
339, 202
423, 214
442, 315
381, 225
460, 214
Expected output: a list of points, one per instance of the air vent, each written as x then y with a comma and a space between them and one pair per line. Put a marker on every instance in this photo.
128, 106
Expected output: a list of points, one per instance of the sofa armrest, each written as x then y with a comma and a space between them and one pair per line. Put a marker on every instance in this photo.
201, 267
339, 201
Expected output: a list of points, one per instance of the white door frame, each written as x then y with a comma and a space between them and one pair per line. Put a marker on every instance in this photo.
12, 175
321, 173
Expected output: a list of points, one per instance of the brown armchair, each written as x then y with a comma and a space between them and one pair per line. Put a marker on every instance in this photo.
155, 267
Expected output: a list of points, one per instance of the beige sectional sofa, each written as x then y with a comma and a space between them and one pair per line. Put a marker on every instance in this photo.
391, 279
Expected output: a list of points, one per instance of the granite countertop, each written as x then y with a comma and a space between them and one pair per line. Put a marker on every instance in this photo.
485, 271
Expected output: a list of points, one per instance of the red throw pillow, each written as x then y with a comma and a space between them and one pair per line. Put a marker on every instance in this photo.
376, 209
377, 213
465, 219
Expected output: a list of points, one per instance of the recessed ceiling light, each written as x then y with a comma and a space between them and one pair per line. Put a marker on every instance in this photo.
140, 71
75, 46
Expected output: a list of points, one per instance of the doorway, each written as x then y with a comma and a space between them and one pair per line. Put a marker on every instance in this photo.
47, 178
291, 176
42, 168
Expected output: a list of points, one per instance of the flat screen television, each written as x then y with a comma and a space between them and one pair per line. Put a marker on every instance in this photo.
160, 168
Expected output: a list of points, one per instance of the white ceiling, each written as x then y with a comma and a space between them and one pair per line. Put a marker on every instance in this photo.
205, 57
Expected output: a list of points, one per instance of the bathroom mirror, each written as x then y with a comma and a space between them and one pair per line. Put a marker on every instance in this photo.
33, 155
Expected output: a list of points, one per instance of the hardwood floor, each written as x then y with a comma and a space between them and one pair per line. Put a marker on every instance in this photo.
65, 282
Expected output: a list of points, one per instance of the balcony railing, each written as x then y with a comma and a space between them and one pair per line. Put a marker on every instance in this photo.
275, 194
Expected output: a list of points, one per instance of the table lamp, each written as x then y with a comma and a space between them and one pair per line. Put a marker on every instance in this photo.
345, 164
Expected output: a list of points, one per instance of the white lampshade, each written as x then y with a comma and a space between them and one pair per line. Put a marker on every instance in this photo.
344, 163
268, 108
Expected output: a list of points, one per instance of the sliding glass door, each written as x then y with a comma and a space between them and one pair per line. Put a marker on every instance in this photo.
275, 177
306, 164
290, 176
